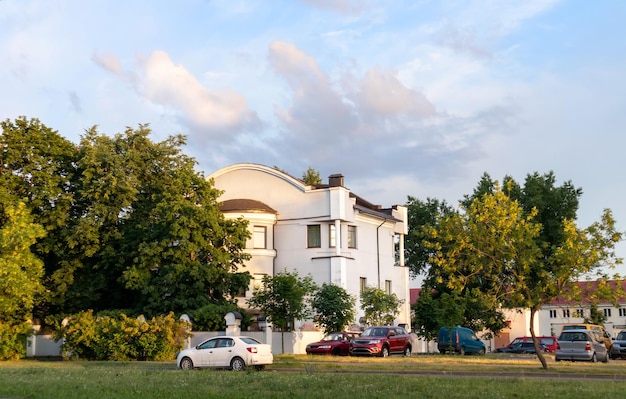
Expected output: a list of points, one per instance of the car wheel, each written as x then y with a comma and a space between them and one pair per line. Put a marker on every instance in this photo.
237, 364
407, 351
186, 363
384, 352
462, 351
594, 358
335, 352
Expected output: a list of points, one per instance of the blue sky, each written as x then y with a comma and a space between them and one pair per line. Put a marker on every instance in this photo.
403, 98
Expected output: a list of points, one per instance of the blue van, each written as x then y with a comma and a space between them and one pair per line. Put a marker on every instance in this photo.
459, 340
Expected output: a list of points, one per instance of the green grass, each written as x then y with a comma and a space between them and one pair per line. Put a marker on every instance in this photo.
318, 377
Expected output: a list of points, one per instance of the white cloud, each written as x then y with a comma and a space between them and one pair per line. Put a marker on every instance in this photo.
162, 82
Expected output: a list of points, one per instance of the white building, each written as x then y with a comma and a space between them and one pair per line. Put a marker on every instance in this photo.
325, 231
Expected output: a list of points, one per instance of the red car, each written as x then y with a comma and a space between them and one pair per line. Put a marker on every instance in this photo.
337, 343
382, 341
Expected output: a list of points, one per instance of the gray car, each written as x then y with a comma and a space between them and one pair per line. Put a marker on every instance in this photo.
581, 345
619, 346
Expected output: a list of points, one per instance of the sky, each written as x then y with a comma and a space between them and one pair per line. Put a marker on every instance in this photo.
404, 98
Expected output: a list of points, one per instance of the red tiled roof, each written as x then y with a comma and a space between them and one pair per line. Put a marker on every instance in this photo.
587, 290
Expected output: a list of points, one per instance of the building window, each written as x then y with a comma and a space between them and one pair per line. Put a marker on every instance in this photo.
363, 284
332, 236
388, 286
351, 236
565, 312
622, 312
259, 237
607, 312
313, 236
579, 313
395, 248
553, 313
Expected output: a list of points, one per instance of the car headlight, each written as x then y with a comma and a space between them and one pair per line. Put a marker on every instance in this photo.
374, 341
324, 346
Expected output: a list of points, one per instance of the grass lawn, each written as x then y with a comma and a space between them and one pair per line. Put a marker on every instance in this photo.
318, 377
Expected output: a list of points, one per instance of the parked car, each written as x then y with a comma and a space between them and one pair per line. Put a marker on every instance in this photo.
581, 345
460, 340
382, 341
600, 332
522, 347
548, 340
233, 352
619, 346
337, 343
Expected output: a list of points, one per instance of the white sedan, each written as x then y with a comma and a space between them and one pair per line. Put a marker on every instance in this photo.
232, 352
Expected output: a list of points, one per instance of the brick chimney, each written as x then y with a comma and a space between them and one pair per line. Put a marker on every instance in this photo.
335, 180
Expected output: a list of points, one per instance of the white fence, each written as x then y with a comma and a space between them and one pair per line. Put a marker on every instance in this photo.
293, 342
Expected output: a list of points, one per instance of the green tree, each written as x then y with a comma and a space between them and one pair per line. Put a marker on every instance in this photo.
422, 215
499, 246
595, 315
334, 308
283, 298
423, 218
151, 226
20, 275
38, 168
380, 307
311, 177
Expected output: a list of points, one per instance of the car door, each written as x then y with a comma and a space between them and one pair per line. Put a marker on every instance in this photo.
222, 353
205, 352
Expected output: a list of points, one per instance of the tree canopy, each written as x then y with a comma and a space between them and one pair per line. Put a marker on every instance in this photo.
519, 247
334, 308
380, 307
130, 224
283, 298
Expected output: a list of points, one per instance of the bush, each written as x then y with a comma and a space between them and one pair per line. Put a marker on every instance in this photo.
122, 338
13, 339
211, 317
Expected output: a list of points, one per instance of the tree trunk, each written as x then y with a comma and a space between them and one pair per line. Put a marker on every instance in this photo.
539, 352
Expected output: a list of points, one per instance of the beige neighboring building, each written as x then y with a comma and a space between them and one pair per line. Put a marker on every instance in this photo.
324, 230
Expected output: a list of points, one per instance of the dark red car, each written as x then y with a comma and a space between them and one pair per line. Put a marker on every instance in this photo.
337, 343
382, 341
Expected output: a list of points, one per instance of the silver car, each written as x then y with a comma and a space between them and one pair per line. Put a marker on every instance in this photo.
581, 345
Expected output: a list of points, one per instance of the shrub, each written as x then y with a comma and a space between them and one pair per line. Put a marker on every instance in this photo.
122, 338
13, 339
211, 317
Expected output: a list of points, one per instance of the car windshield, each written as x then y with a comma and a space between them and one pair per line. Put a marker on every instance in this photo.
333, 337
621, 336
374, 332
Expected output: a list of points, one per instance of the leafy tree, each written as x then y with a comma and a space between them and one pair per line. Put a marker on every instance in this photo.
283, 298
20, 275
426, 315
334, 307
422, 215
595, 316
501, 248
151, 225
311, 177
380, 307
476, 313
38, 168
